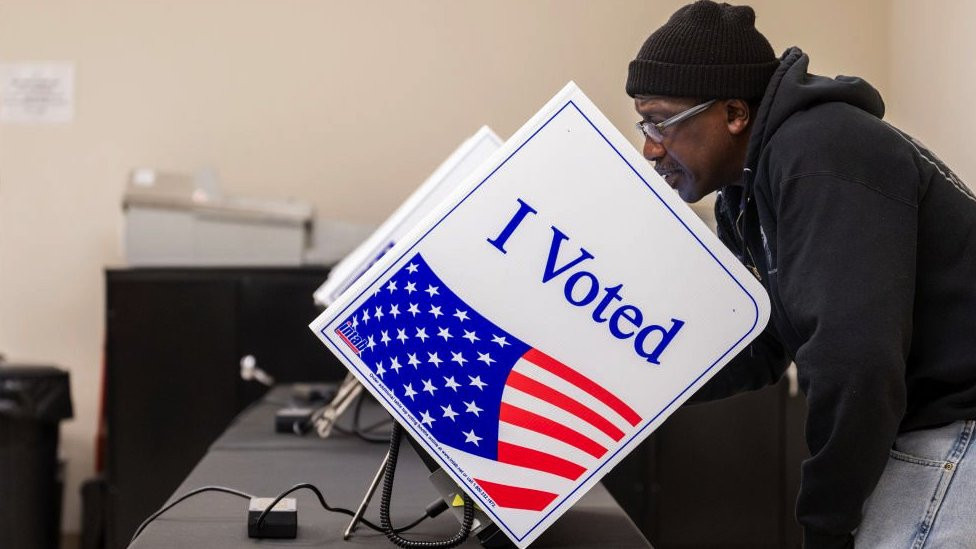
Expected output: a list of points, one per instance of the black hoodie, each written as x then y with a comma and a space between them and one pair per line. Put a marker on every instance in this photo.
866, 243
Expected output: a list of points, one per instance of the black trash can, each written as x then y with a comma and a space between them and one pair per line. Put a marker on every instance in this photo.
33, 401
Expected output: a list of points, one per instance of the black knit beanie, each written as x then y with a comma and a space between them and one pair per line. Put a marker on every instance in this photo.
707, 51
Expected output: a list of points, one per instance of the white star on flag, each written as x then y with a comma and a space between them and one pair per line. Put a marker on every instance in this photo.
451, 384
394, 310
429, 387
413, 309
391, 286
432, 290
456, 357
486, 358
436, 311
426, 419
410, 288
471, 437
460, 315
476, 381
448, 412
412, 268
445, 333
471, 336
500, 340
472, 407
408, 388
434, 359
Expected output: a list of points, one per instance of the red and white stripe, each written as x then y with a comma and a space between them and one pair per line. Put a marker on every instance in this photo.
555, 424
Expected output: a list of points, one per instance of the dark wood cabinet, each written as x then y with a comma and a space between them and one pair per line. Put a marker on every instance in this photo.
723, 474
174, 342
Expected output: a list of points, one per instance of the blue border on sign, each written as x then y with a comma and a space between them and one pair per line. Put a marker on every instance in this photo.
626, 445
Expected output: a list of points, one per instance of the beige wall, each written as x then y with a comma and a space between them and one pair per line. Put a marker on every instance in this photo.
346, 104
932, 75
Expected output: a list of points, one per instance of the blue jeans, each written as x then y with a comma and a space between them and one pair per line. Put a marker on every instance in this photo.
926, 497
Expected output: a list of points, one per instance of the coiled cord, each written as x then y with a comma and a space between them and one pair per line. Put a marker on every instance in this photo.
391, 533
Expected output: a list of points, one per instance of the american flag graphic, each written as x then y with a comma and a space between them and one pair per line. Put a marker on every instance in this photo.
531, 425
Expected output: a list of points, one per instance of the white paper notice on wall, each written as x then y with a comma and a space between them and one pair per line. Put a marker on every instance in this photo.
37, 93
543, 321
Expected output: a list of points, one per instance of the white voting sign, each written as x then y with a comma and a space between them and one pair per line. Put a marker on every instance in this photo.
545, 319
445, 180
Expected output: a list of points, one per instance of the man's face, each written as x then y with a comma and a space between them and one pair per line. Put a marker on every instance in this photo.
698, 155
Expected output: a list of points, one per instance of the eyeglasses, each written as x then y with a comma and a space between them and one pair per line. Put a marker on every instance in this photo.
655, 132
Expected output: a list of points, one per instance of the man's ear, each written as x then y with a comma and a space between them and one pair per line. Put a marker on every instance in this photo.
737, 116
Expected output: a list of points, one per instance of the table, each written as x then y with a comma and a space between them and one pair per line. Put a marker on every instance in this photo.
250, 457
180, 366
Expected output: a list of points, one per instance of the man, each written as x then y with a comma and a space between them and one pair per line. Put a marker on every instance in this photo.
866, 244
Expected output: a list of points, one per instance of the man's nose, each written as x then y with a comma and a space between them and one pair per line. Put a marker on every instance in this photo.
653, 151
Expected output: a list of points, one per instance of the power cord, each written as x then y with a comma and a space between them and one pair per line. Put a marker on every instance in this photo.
356, 430
391, 533
155, 515
432, 510
340, 510
386, 526
363, 432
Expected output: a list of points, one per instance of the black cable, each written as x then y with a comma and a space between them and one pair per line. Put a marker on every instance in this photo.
327, 507
318, 494
355, 430
391, 533
358, 430
183, 497
375, 425
389, 471
413, 524
261, 517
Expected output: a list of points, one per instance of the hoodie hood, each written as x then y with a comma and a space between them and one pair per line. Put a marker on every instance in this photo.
792, 89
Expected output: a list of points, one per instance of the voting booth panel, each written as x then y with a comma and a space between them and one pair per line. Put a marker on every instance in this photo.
445, 180
543, 320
